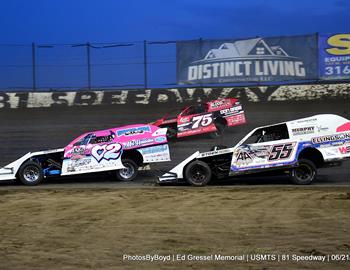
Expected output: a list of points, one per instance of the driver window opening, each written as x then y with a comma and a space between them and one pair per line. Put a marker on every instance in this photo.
268, 134
83, 141
200, 108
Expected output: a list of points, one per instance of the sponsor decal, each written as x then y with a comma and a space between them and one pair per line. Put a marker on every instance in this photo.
184, 119
78, 151
334, 56
78, 165
216, 152
256, 59
257, 151
134, 143
307, 120
154, 149
133, 131
263, 156
231, 110
81, 162
330, 138
228, 61
106, 152
155, 153
219, 103
243, 158
322, 129
344, 150
303, 130
160, 139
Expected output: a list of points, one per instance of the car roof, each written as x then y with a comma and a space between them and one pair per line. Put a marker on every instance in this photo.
314, 118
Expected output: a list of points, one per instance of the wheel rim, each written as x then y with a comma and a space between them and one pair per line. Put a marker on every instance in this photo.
198, 174
31, 174
127, 172
304, 172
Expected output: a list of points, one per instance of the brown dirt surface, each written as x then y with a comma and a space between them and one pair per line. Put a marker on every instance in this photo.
94, 228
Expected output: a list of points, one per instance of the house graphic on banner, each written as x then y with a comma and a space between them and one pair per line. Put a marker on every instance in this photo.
246, 60
255, 48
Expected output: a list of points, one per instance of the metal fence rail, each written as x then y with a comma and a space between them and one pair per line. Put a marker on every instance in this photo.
137, 64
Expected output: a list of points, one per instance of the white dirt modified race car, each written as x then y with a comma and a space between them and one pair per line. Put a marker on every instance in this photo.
296, 147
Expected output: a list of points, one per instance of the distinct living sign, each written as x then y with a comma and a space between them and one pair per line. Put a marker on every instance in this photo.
334, 56
248, 60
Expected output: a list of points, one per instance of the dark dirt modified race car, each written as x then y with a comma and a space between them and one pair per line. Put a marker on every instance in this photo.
296, 147
208, 117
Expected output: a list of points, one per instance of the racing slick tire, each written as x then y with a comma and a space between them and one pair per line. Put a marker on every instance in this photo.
130, 171
305, 173
30, 173
198, 173
220, 128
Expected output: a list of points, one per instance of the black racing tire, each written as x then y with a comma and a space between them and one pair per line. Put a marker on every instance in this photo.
305, 173
198, 173
130, 172
218, 147
30, 173
220, 128
171, 134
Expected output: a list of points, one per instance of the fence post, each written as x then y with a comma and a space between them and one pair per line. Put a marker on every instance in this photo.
88, 64
145, 63
33, 67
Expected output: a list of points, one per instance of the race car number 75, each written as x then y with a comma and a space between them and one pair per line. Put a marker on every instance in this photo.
203, 120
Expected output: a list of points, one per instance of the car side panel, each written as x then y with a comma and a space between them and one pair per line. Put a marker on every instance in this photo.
106, 156
259, 156
333, 147
93, 158
195, 124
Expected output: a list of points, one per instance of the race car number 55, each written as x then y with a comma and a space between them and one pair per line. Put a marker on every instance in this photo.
203, 120
281, 151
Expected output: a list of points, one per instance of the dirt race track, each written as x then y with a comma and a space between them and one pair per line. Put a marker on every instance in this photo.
91, 221
94, 228
25, 130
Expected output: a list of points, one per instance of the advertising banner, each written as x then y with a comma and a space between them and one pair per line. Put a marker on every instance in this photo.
274, 59
334, 56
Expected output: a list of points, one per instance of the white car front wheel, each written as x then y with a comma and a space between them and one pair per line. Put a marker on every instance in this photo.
305, 173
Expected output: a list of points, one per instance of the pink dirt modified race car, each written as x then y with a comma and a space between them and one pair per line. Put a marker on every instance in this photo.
122, 150
208, 117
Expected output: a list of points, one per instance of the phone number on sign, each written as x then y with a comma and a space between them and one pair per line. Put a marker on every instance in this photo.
338, 70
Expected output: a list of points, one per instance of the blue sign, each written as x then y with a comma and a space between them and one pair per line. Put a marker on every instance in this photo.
334, 56
273, 59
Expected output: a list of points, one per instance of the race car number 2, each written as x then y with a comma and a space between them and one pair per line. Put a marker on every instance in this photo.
107, 152
203, 120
